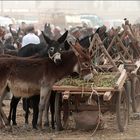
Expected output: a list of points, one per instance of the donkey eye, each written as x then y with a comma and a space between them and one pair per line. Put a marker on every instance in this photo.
52, 49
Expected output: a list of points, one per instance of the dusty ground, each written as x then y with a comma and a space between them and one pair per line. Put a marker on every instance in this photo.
110, 131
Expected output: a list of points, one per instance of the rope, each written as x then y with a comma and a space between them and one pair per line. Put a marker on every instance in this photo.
82, 91
99, 106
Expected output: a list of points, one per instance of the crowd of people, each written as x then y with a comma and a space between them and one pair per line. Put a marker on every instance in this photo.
29, 33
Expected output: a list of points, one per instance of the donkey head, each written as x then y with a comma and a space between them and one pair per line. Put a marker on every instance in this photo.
15, 34
84, 65
55, 48
16, 37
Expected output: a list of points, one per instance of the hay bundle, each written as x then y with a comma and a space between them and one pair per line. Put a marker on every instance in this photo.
99, 80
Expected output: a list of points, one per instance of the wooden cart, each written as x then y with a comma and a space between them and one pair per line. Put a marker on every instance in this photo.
114, 99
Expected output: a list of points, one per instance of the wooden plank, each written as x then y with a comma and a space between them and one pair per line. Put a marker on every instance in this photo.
121, 67
92, 43
85, 92
121, 80
111, 44
107, 96
106, 53
113, 40
137, 63
82, 89
124, 48
88, 108
109, 57
123, 35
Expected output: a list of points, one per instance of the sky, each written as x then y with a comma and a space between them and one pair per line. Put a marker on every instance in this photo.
110, 9
78, 5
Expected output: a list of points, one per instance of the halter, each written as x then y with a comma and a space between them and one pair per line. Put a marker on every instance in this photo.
52, 57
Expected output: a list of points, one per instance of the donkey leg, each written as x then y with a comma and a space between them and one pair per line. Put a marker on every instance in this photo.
35, 101
13, 108
44, 98
1, 121
51, 105
10, 113
26, 102
3, 115
6, 122
52, 108
46, 116
52, 115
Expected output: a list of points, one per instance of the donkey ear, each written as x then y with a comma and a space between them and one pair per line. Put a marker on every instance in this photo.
46, 25
47, 39
18, 30
97, 31
11, 31
63, 37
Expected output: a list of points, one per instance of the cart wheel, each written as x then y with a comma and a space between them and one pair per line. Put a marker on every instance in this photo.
128, 92
135, 94
122, 110
61, 112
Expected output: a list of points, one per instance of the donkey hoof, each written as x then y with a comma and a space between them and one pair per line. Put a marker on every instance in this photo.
39, 126
14, 123
9, 122
46, 124
8, 128
35, 127
6, 122
26, 126
47, 129
53, 127
59, 128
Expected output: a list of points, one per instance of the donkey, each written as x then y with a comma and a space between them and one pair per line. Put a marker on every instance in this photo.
11, 42
17, 37
47, 30
52, 51
18, 75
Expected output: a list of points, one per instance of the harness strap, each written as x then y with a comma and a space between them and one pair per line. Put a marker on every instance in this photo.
51, 57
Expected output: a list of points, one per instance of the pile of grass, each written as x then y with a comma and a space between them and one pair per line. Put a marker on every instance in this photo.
99, 80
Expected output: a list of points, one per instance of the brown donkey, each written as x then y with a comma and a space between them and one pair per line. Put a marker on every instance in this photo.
27, 76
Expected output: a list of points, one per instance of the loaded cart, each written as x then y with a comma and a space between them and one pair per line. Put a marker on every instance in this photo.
112, 97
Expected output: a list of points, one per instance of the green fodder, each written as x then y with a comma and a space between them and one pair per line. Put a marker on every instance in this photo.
99, 80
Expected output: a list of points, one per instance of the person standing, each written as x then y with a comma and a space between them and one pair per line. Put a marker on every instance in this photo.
30, 37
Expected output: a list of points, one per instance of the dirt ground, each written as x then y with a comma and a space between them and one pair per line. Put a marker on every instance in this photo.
110, 132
